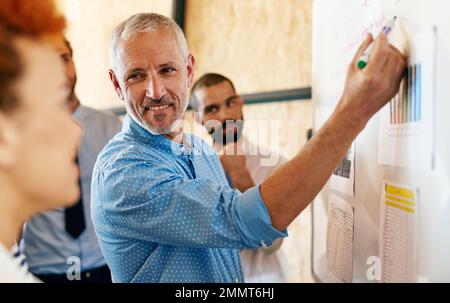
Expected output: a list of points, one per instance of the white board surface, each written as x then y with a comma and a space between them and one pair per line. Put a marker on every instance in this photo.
339, 27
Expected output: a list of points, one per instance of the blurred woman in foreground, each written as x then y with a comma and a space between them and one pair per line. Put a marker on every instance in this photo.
38, 138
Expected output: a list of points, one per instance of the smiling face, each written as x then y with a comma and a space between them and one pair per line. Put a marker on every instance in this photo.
152, 76
41, 141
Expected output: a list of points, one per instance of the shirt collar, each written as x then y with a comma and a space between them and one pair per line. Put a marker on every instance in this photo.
137, 132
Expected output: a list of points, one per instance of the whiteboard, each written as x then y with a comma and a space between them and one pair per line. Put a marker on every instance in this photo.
338, 28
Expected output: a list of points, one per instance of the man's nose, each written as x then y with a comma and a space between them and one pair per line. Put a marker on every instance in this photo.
156, 89
221, 116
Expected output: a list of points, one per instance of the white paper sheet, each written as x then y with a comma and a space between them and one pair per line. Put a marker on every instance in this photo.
340, 239
343, 178
398, 237
406, 136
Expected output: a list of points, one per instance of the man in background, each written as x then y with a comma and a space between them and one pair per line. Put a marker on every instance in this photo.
219, 108
61, 245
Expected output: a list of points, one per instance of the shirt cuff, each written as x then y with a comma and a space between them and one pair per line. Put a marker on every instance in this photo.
254, 220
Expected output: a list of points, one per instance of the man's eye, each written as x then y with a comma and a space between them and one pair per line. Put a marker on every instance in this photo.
167, 70
65, 58
134, 77
210, 110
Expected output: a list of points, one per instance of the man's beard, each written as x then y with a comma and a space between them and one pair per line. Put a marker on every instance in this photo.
222, 138
174, 125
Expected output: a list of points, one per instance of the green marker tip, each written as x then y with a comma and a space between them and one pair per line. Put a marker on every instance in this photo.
362, 64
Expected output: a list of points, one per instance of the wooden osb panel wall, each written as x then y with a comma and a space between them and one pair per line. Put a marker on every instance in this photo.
262, 45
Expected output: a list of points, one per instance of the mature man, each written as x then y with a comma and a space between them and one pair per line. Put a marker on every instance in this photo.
162, 207
219, 108
61, 245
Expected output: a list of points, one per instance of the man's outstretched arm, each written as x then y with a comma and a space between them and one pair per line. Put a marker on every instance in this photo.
292, 187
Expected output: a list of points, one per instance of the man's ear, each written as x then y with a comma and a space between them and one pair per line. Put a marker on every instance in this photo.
7, 143
190, 69
115, 83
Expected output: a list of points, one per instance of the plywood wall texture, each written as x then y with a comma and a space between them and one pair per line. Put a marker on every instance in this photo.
262, 45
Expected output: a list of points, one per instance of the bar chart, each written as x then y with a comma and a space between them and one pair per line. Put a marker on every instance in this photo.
406, 106
406, 133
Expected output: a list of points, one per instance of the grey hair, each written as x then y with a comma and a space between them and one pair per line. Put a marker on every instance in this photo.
141, 23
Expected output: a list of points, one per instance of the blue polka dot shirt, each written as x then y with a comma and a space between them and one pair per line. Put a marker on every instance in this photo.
164, 212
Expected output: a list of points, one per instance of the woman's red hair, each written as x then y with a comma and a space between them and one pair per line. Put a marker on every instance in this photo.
31, 17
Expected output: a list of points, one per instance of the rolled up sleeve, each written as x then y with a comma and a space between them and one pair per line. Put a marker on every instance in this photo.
254, 220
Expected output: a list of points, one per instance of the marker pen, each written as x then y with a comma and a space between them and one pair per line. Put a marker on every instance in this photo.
362, 62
